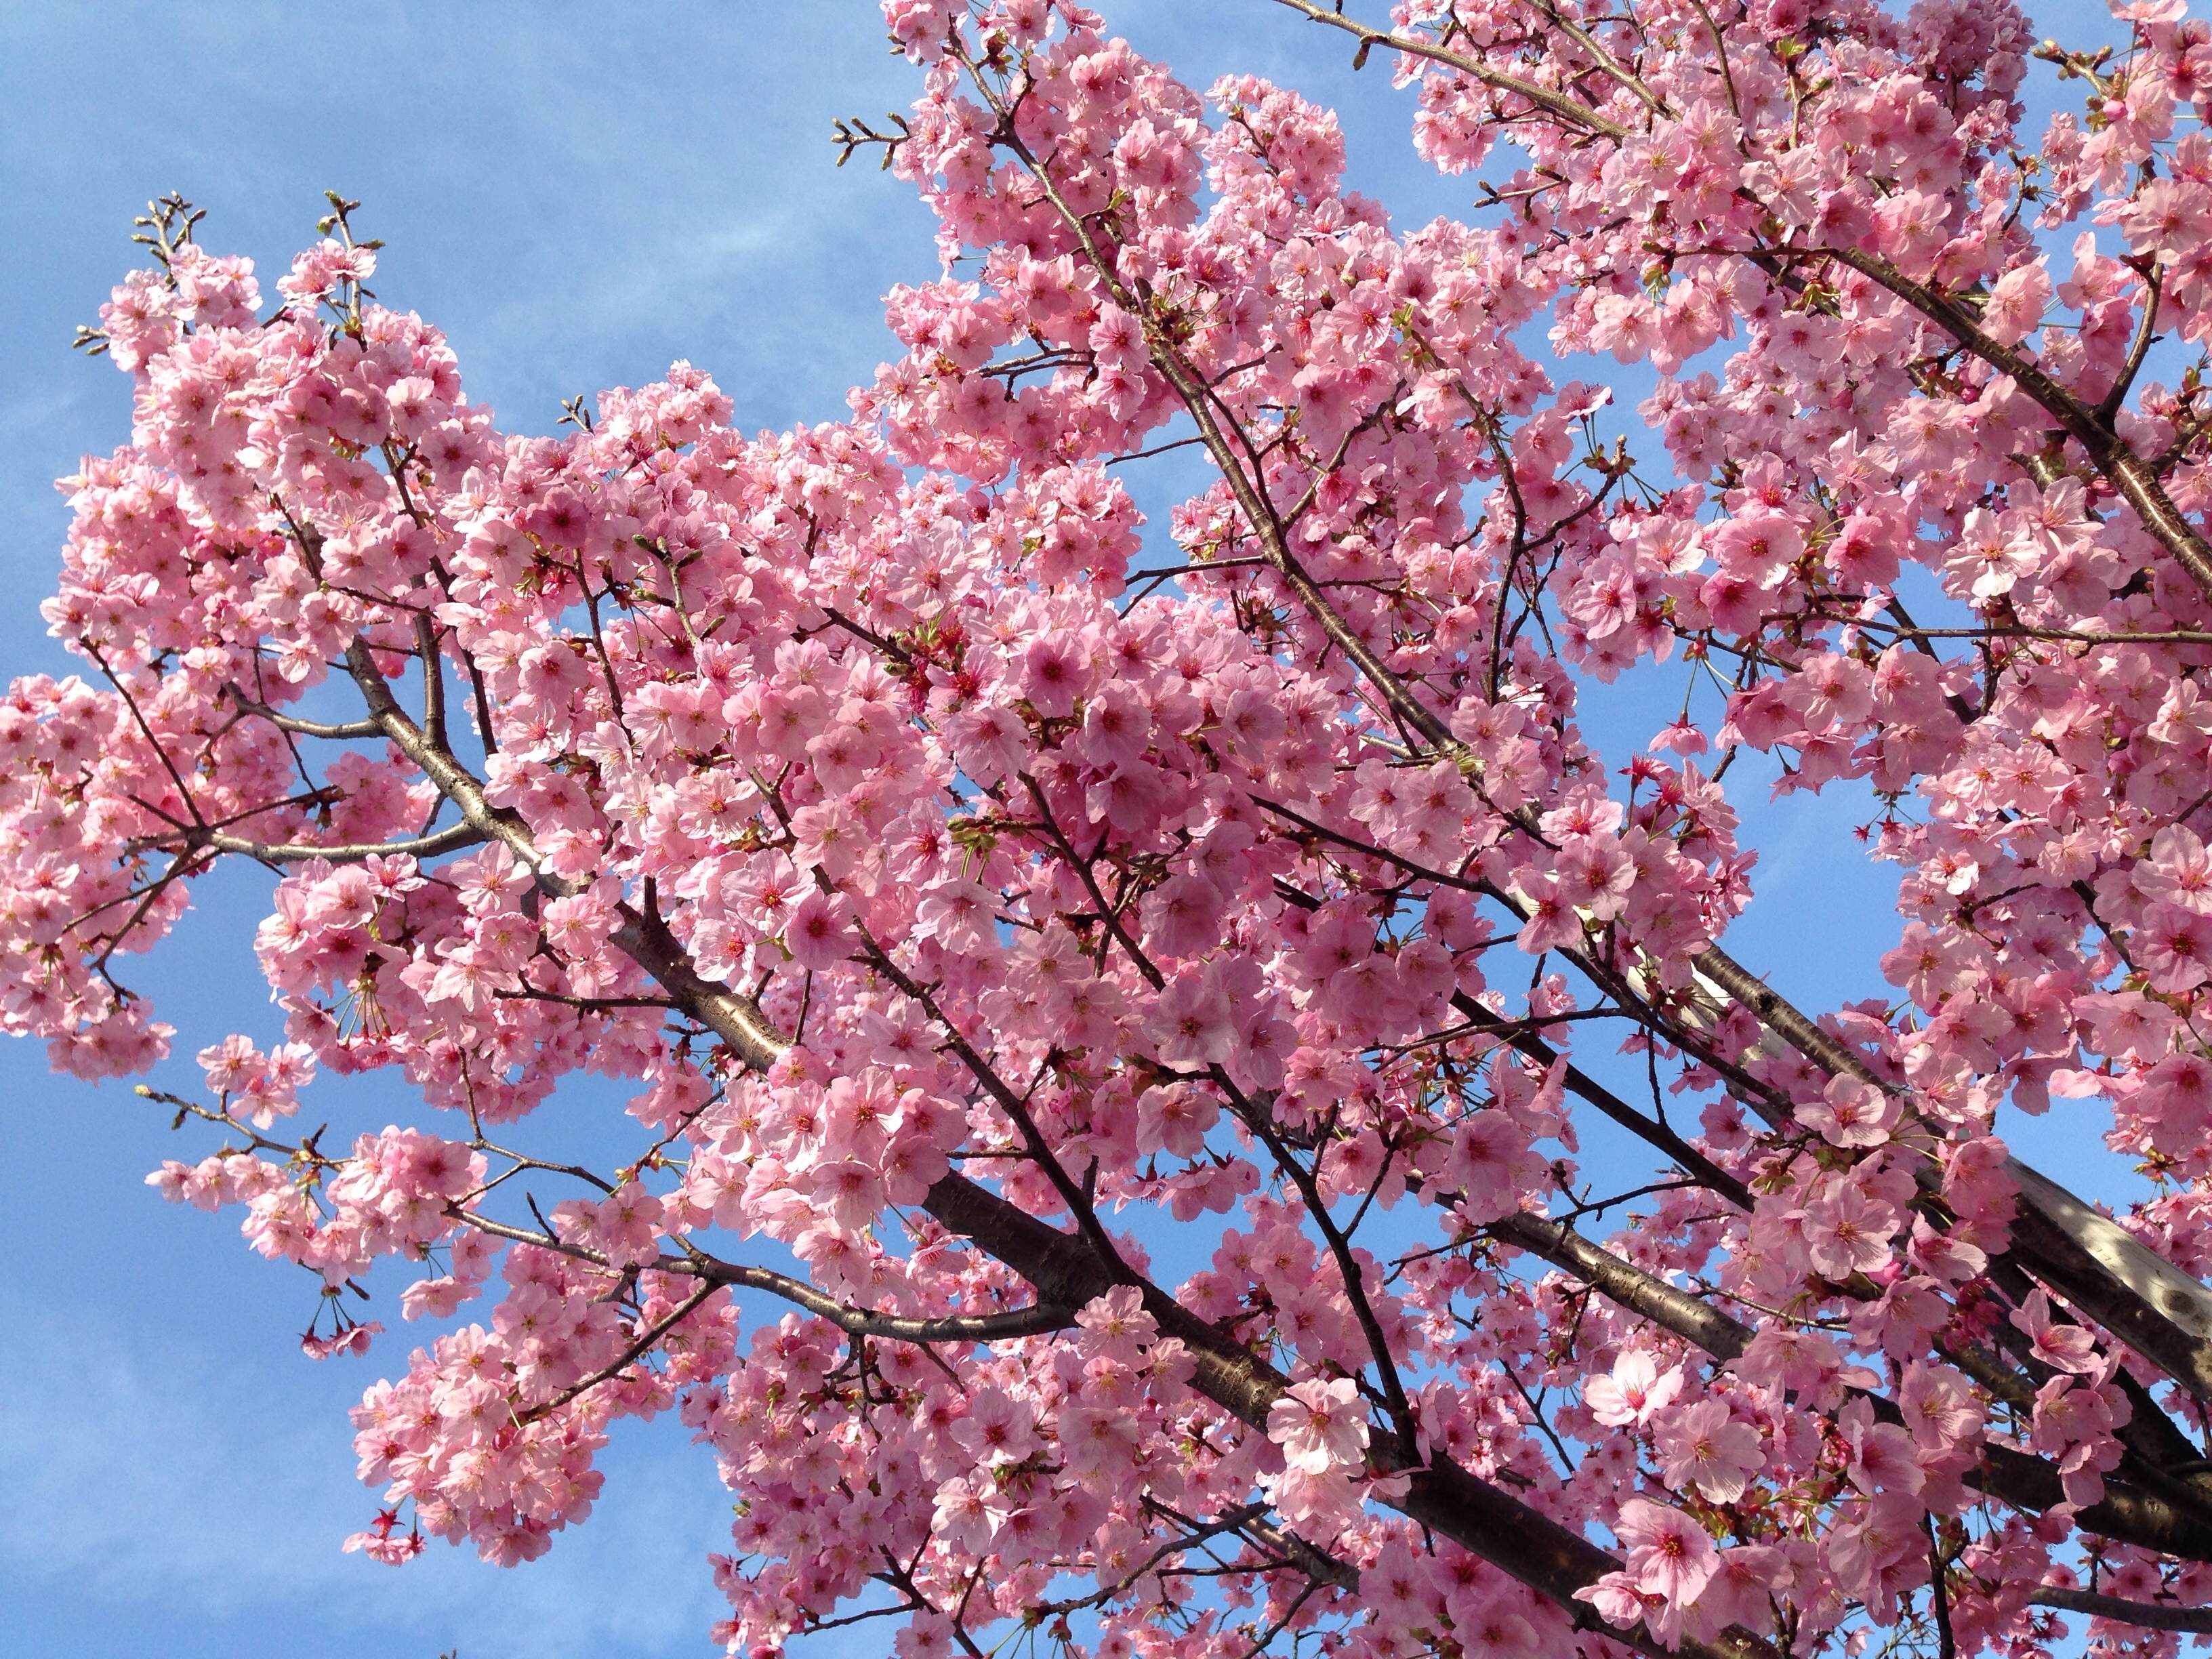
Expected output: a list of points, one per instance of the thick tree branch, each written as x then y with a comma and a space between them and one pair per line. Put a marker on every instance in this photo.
2144, 1615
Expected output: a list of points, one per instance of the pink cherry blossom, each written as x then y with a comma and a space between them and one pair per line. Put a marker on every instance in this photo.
1706, 1446
1851, 1113
2062, 1346
1320, 1425
1633, 1392
1670, 1555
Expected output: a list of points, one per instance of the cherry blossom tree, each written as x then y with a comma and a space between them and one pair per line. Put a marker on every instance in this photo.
1099, 1001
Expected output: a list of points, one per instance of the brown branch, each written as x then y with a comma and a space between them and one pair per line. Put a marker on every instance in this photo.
2111, 455
305, 728
636, 1351
2145, 1615
1543, 97
2016, 1478
2065, 636
2161, 1311
1009, 1325
451, 839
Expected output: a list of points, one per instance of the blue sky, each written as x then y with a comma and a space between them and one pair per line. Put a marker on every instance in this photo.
578, 195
